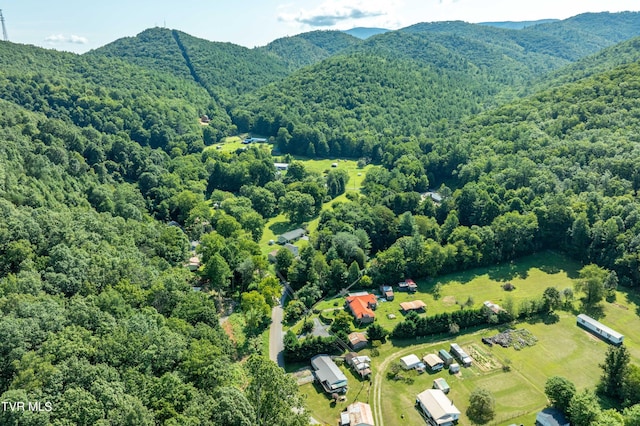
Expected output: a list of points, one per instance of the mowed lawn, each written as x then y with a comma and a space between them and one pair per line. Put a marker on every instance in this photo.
562, 348
530, 275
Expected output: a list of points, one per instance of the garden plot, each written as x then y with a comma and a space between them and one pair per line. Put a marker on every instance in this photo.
518, 338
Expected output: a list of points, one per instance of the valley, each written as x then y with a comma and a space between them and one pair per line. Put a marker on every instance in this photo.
471, 163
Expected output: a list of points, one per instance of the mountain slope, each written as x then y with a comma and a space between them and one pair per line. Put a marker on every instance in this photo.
223, 69
153, 108
309, 48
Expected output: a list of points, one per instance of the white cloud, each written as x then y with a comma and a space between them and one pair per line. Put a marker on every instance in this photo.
65, 39
345, 13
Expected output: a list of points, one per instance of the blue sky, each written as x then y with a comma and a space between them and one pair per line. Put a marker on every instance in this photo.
81, 25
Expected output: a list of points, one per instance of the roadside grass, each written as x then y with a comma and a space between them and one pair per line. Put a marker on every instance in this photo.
562, 349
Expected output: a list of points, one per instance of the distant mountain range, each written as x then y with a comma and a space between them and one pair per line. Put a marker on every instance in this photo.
364, 33
517, 25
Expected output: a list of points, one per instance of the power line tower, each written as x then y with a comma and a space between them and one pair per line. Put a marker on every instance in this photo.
5, 37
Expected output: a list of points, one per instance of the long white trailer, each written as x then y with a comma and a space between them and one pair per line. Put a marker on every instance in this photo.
600, 329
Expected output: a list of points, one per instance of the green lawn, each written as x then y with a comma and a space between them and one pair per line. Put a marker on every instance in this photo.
562, 348
530, 276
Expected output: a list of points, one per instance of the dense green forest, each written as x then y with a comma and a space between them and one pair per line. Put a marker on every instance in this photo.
107, 176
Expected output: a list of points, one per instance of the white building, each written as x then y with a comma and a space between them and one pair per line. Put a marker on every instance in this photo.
600, 329
438, 409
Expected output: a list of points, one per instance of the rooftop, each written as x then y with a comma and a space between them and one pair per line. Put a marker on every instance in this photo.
327, 371
439, 406
413, 305
360, 305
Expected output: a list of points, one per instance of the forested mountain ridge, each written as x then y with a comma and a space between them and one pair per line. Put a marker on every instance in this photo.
224, 69
97, 154
94, 294
625, 52
153, 108
309, 48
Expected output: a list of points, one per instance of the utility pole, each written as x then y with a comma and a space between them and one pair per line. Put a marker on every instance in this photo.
5, 37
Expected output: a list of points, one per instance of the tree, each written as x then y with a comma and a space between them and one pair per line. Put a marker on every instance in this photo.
377, 332
342, 322
583, 408
231, 407
482, 406
632, 415
274, 394
615, 369
297, 206
256, 309
551, 298
631, 386
218, 272
271, 289
294, 311
591, 282
559, 391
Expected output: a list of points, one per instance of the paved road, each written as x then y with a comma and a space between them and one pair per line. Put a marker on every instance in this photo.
276, 343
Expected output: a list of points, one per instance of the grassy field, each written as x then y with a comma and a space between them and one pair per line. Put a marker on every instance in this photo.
530, 276
562, 348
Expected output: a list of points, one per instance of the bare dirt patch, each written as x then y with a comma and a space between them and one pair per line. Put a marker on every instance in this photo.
228, 328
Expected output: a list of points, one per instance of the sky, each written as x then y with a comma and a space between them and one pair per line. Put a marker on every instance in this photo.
82, 25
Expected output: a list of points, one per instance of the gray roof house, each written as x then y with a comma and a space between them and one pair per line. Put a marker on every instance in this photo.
551, 417
329, 374
290, 236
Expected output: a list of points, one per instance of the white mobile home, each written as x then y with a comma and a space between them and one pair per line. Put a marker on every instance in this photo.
462, 356
600, 329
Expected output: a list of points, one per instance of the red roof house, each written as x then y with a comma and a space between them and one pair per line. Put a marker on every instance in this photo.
362, 306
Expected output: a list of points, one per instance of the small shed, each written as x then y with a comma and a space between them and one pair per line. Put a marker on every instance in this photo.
434, 362
357, 414
445, 357
358, 340
410, 362
441, 383
454, 368
415, 305
272, 256
408, 285
387, 292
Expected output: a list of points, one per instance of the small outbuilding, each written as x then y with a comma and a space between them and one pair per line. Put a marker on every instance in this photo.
410, 362
358, 340
408, 285
551, 417
461, 355
454, 368
434, 362
357, 414
387, 292
441, 384
414, 305
445, 357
